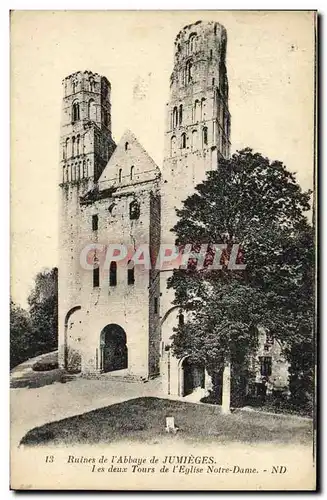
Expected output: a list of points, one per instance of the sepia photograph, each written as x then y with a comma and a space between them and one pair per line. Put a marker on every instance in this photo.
163, 250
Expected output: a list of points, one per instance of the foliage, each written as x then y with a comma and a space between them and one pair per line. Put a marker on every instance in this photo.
20, 334
257, 204
34, 332
43, 308
48, 362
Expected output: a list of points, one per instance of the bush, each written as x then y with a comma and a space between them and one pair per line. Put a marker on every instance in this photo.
44, 366
47, 362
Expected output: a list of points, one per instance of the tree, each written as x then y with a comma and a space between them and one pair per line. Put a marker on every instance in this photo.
257, 204
20, 334
43, 308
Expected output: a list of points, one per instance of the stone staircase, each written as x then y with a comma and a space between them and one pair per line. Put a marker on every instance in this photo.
117, 376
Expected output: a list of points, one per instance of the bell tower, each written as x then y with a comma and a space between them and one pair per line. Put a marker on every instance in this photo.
198, 119
86, 146
197, 136
86, 142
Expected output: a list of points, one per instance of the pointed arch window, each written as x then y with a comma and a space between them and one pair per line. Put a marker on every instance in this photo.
197, 111
75, 112
194, 139
113, 274
192, 44
91, 110
73, 146
66, 148
183, 141
131, 172
120, 174
180, 113
134, 210
126, 146
189, 72
130, 273
175, 117
77, 145
205, 136
96, 277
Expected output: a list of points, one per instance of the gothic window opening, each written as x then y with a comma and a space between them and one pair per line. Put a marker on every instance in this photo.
180, 114
175, 117
113, 274
126, 146
213, 82
194, 139
67, 147
189, 72
120, 174
91, 110
77, 145
130, 273
132, 172
210, 56
192, 44
265, 366
183, 141
205, 136
91, 81
197, 111
134, 210
75, 114
95, 222
96, 277
73, 146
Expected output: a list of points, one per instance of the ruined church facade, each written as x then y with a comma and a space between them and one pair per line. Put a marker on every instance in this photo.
115, 317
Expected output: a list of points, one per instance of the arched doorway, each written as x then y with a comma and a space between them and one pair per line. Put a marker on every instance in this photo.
113, 348
192, 376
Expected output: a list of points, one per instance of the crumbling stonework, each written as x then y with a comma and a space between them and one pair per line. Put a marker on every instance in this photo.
113, 318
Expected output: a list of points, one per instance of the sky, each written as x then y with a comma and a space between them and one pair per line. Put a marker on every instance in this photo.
270, 65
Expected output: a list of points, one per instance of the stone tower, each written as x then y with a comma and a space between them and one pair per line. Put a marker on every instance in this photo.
197, 135
85, 147
198, 118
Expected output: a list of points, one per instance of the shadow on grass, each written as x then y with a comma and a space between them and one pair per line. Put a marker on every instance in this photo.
143, 420
34, 380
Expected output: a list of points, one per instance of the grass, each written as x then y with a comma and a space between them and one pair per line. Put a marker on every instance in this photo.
143, 420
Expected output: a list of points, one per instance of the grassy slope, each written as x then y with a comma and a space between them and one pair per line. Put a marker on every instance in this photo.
143, 419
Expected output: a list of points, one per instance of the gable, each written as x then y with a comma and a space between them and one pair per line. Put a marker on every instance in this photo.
129, 164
